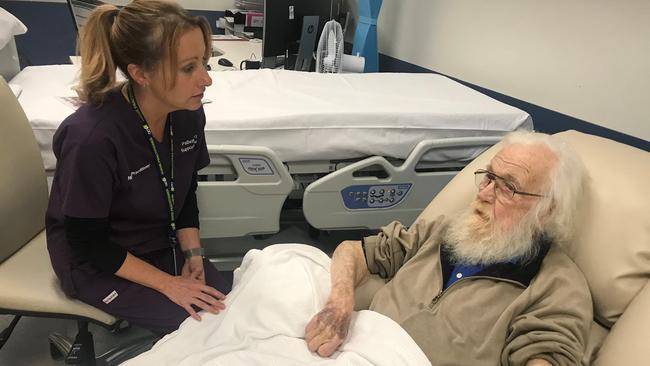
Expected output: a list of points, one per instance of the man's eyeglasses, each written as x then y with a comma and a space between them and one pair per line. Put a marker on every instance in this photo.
483, 178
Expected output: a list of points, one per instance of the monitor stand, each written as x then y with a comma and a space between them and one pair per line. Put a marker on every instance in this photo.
307, 43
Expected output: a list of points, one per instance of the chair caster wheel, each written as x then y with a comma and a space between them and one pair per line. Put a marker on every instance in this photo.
55, 352
60, 346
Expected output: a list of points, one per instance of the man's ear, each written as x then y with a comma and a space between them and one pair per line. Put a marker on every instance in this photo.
138, 75
549, 212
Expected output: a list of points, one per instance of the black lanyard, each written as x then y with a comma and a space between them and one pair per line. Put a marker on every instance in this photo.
168, 186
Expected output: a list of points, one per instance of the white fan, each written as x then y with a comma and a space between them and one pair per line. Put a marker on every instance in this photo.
330, 48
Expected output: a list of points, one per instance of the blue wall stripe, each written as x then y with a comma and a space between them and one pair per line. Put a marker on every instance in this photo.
545, 120
51, 35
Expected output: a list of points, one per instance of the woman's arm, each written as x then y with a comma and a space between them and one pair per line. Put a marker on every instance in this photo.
188, 238
183, 291
187, 234
90, 238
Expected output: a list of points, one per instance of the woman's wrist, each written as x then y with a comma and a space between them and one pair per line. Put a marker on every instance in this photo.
194, 252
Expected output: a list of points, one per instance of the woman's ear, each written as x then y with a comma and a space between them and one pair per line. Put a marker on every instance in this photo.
138, 75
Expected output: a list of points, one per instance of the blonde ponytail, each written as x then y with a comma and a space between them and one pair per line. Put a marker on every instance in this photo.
94, 47
144, 33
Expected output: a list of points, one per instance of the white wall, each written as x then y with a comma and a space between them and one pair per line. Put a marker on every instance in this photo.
589, 59
188, 4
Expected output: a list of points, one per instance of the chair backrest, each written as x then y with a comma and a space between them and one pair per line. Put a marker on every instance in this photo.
81, 9
23, 185
612, 245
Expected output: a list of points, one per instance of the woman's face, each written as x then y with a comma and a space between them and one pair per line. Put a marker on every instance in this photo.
191, 76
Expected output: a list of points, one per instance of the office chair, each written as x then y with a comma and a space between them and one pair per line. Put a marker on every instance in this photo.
28, 285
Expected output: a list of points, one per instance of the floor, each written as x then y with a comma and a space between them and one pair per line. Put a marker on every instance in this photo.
28, 345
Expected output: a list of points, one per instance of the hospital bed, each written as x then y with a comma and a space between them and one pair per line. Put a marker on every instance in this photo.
357, 150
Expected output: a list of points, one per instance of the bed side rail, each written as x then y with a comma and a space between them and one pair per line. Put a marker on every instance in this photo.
252, 201
350, 199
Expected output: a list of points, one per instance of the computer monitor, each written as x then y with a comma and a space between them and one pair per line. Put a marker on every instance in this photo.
81, 9
283, 21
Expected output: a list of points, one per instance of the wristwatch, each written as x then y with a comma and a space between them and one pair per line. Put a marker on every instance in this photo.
193, 252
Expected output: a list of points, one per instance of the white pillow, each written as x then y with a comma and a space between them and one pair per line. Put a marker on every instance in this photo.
9, 26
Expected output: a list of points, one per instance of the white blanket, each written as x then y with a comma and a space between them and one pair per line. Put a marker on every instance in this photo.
277, 291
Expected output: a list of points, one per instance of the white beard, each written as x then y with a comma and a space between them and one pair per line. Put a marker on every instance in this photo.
474, 239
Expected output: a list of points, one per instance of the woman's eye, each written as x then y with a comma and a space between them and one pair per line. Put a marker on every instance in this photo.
188, 68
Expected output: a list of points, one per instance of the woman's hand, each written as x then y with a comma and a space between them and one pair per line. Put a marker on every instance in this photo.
187, 291
327, 330
193, 269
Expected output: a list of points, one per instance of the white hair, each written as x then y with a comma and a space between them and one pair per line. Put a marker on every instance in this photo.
476, 240
557, 211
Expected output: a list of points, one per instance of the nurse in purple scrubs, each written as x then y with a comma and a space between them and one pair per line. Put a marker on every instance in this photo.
122, 221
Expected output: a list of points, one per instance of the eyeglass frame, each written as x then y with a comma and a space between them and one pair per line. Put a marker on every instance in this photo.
508, 185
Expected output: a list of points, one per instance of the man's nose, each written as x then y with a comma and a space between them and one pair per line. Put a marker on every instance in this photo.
487, 193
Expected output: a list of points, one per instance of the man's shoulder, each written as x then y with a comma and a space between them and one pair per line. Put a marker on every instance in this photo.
558, 269
557, 257
432, 228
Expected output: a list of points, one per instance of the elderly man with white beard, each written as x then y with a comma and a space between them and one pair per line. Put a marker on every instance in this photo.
489, 287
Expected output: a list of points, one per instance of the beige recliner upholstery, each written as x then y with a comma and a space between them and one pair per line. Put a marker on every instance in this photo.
612, 246
28, 285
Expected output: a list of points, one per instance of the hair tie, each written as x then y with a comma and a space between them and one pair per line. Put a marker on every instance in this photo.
115, 14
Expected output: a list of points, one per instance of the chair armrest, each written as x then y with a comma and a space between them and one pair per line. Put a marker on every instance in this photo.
627, 343
366, 291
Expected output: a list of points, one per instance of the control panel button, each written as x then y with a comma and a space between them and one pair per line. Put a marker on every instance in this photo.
374, 196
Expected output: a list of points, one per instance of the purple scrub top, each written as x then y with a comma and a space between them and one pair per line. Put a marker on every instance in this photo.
106, 169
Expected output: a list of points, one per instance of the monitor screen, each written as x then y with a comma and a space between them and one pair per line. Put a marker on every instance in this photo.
283, 23
81, 9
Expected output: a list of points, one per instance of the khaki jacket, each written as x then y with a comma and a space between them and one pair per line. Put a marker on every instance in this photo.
481, 320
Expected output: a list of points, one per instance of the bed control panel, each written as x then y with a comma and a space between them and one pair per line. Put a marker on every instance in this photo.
374, 196
256, 166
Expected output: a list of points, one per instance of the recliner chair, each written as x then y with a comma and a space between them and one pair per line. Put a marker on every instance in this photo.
612, 245
28, 285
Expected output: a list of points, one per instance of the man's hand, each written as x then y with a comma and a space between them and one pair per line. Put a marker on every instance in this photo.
538, 362
193, 269
327, 330
186, 292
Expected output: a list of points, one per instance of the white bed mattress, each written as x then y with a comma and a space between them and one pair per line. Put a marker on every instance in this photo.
307, 116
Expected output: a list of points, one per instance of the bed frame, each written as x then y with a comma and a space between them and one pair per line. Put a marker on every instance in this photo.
243, 190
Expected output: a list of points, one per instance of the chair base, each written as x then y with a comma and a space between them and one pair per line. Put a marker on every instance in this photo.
6, 333
82, 350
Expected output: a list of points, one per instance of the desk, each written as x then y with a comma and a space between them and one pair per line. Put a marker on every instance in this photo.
235, 52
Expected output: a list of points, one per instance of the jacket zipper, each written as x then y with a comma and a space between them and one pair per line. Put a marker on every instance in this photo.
436, 298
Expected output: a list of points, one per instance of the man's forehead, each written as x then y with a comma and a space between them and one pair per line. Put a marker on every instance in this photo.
520, 161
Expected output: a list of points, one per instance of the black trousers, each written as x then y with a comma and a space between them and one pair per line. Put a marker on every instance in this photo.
139, 304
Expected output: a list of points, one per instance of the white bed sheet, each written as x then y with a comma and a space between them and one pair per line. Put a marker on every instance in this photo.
308, 116
277, 290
